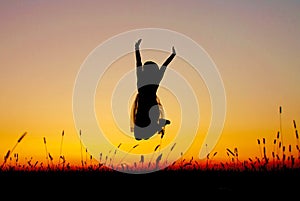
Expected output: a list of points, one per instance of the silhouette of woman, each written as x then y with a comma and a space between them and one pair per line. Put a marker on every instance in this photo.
147, 114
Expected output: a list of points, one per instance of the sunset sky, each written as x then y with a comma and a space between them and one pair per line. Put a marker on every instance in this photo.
254, 45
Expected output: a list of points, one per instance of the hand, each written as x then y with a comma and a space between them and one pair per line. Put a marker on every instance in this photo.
137, 44
173, 50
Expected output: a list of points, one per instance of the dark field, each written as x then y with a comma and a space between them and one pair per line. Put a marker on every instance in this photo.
164, 182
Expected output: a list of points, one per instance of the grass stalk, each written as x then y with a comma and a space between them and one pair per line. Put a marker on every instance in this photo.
60, 148
12, 150
47, 158
81, 156
126, 155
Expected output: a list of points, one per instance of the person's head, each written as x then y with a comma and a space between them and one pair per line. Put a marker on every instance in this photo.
150, 66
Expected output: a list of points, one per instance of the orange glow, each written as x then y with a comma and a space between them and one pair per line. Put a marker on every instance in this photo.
44, 44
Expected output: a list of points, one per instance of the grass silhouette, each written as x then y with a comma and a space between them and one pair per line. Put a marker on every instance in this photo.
262, 172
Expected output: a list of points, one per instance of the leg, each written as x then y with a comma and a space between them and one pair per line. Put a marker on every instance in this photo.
147, 123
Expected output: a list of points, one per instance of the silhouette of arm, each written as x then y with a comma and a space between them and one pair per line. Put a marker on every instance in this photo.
166, 63
138, 54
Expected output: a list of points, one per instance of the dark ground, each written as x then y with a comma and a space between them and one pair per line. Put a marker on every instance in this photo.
171, 183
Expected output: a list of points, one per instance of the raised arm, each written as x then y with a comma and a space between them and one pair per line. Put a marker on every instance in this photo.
169, 59
138, 54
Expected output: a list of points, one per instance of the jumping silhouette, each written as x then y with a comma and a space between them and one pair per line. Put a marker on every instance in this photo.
147, 115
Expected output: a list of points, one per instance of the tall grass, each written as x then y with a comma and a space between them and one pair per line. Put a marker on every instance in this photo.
46, 150
9, 152
279, 157
60, 148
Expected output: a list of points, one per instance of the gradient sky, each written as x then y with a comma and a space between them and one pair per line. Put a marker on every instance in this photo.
254, 45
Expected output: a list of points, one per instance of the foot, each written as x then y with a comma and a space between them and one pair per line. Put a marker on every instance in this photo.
164, 122
162, 132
